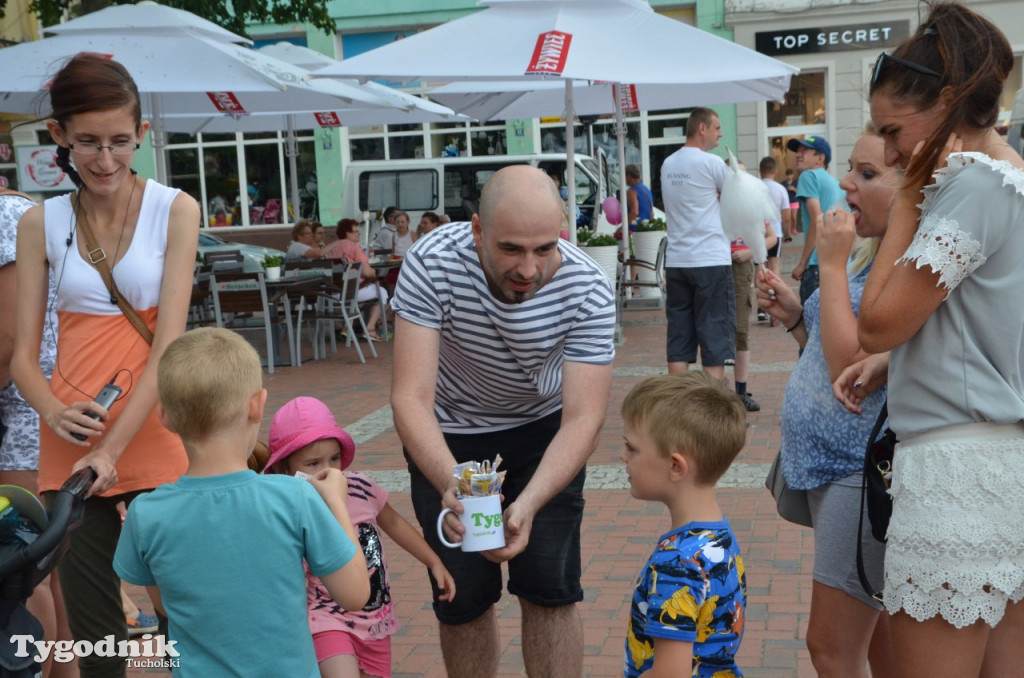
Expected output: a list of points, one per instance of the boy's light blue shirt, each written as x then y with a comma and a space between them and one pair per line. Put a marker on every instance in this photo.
818, 183
226, 553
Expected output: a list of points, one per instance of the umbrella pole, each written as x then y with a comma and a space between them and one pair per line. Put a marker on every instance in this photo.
620, 134
292, 152
570, 159
159, 138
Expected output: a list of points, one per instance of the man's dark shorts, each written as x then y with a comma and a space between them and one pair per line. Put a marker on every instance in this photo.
548, 572
701, 311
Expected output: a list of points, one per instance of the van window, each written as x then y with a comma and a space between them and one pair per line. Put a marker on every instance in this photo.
406, 189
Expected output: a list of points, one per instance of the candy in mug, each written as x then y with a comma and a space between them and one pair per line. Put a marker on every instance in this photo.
481, 517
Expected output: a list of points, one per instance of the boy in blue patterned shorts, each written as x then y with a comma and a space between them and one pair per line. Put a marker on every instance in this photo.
681, 434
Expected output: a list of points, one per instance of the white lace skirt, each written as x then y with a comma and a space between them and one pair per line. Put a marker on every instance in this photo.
956, 538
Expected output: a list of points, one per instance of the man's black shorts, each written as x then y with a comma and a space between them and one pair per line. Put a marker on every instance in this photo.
548, 572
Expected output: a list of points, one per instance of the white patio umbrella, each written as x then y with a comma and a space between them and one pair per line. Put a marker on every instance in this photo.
405, 108
145, 16
183, 72
577, 40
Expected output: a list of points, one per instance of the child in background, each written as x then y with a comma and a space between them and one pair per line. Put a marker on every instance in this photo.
681, 434
349, 641
222, 549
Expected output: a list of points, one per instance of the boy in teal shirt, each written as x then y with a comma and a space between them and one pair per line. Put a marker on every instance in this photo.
221, 550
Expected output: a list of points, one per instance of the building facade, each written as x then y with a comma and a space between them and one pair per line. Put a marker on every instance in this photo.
242, 179
835, 44
17, 25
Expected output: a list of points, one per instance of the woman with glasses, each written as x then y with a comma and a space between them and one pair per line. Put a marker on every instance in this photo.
946, 295
303, 244
146, 234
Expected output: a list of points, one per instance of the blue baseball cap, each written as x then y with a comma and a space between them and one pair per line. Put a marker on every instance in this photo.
815, 143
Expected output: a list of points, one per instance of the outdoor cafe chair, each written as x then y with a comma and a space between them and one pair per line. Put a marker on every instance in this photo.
200, 305
225, 261
304, 296
241, 303
657, 267
337, 303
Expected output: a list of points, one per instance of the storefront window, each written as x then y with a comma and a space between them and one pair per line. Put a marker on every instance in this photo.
263, 170
443, 139
243, 179
448, 144
552, 138
605, 139
405, 146
224, 201
668, 124
183, 166
804, 103
367, 149
802, 112
491, 142
306, 169
8, 168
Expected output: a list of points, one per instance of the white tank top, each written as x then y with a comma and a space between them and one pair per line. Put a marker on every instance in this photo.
139, 273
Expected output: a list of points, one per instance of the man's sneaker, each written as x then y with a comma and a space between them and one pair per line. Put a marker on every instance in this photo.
761, 315
748, 402
142, 623
730, 362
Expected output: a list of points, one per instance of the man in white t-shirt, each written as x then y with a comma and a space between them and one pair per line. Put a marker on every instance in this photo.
700, 305
780, 197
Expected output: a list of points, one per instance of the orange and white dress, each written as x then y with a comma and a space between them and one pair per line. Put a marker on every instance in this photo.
96, 342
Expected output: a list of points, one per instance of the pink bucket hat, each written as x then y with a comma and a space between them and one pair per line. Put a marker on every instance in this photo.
303, 421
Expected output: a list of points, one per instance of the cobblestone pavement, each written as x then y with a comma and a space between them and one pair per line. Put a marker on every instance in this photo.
618, 531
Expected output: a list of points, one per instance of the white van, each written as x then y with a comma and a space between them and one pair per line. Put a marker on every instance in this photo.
452, 185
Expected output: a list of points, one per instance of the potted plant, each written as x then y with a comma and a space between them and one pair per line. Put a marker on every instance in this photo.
272, 266
646, 239
602, 248
652, 224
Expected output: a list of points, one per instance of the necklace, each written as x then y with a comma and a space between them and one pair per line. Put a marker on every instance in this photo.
124, 221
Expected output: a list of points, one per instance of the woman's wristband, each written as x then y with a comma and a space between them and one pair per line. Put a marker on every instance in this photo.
798, 323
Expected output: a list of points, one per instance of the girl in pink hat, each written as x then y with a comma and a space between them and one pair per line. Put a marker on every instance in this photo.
304, 436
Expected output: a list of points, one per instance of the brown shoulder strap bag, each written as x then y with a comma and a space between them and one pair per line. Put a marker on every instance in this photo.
98, 258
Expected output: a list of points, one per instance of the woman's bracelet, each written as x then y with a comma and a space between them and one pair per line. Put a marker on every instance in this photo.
798, 323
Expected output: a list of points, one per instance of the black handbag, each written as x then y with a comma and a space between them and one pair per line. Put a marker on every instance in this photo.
874, 493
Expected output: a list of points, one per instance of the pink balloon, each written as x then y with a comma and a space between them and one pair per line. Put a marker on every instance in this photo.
612, 210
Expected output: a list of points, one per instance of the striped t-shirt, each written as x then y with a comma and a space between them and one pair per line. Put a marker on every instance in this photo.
500, 364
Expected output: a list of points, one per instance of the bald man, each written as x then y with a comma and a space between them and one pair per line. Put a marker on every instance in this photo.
504, 344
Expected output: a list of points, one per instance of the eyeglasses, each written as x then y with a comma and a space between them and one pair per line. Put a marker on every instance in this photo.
917, 68
89, 148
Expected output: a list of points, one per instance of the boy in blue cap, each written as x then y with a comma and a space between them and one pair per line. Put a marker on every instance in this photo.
817, 192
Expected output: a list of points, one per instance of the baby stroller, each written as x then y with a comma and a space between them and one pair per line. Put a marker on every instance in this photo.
31, 543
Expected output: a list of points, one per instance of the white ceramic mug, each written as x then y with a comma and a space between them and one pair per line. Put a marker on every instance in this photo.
482, 519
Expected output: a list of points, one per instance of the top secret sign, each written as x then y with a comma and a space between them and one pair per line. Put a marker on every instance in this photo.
832, 38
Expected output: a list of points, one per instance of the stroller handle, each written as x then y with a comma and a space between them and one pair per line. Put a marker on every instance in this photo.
63, 512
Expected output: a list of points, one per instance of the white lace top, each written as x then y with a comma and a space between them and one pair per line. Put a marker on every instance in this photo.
965, 363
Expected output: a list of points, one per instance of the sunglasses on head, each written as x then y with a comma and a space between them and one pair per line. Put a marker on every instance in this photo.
917, 68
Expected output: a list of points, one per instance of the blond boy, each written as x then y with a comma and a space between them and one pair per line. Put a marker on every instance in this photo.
681, 434
221, 550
